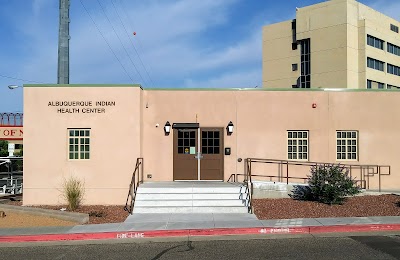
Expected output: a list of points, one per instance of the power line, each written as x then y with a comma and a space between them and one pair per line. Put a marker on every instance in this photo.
107, 42
9, 77
148, 75
121, 43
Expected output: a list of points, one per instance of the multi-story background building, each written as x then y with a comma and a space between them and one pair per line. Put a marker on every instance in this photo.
334, 44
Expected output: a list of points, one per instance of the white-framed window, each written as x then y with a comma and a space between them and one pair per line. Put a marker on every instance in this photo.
79, 144
346, 145
297, 141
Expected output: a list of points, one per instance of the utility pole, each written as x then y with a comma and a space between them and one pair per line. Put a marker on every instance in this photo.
63, 44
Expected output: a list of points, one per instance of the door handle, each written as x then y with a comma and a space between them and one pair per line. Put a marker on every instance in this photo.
199, 156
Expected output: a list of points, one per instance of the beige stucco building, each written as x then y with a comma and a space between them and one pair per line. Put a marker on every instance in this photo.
96, 133
333, 44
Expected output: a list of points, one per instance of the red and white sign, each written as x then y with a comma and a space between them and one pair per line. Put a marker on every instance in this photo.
11, 133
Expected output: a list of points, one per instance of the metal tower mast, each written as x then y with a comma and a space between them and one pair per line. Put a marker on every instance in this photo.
63, 43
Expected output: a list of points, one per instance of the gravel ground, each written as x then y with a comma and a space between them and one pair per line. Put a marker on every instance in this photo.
98, 214
359, 206
18, 220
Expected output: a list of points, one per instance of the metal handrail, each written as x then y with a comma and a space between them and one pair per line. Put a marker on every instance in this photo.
137, 178
366, 170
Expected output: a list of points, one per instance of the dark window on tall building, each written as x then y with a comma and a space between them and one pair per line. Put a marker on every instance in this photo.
375, 64
375, 42
305, 54
294, 38
394, 49
392, 69
375, 84
394, 28
369, 84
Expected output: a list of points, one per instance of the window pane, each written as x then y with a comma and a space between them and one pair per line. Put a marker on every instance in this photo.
290, 149
304, 156
338, 156
304, 148
295, 135
290, 142
338, 135
204, 150
86, 148
216, 150
216, 134
210, 150
354, 134
71, 148
192, 142
76, 156
192, 134
71, 155
71, 132
186, 142
216, 142
290, 156
305, 135
289, 134
87, 133
338, 149
87, 156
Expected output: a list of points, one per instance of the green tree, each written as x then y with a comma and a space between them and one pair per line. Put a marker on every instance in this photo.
3, 148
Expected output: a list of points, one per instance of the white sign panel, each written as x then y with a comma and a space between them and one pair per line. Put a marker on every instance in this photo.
11, 149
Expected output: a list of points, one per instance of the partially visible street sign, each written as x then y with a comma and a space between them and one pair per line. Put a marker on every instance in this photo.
11, 149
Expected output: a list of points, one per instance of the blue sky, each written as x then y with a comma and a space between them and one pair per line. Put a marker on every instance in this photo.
178, 43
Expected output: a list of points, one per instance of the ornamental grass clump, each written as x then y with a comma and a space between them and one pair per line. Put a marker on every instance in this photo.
73, 192
329, 184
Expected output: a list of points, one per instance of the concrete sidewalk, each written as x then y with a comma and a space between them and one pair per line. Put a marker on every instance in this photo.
164, 225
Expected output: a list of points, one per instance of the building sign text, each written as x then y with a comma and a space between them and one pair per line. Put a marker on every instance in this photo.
81, 107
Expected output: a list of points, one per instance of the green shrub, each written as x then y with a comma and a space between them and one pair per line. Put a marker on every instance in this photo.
328, 184
73, 192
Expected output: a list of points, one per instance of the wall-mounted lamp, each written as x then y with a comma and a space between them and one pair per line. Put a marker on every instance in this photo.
167, 128
229, 128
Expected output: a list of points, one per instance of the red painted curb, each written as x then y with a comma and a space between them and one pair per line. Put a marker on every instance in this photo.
354, 228
198, 232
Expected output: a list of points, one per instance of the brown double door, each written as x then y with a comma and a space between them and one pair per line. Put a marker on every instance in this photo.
198, 154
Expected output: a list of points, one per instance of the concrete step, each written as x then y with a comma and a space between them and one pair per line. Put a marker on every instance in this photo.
189, 196
188, 203
218, 209
192, 190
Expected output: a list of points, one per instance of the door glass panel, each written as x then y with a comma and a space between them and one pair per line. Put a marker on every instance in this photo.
186, 139
210, 142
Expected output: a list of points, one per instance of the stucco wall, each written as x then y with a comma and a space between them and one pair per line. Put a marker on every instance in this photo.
115, 143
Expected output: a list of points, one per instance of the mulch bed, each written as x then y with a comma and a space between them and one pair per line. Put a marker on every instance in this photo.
359, 206
98, 214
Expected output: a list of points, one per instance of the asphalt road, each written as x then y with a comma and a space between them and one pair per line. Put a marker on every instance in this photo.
357, 247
